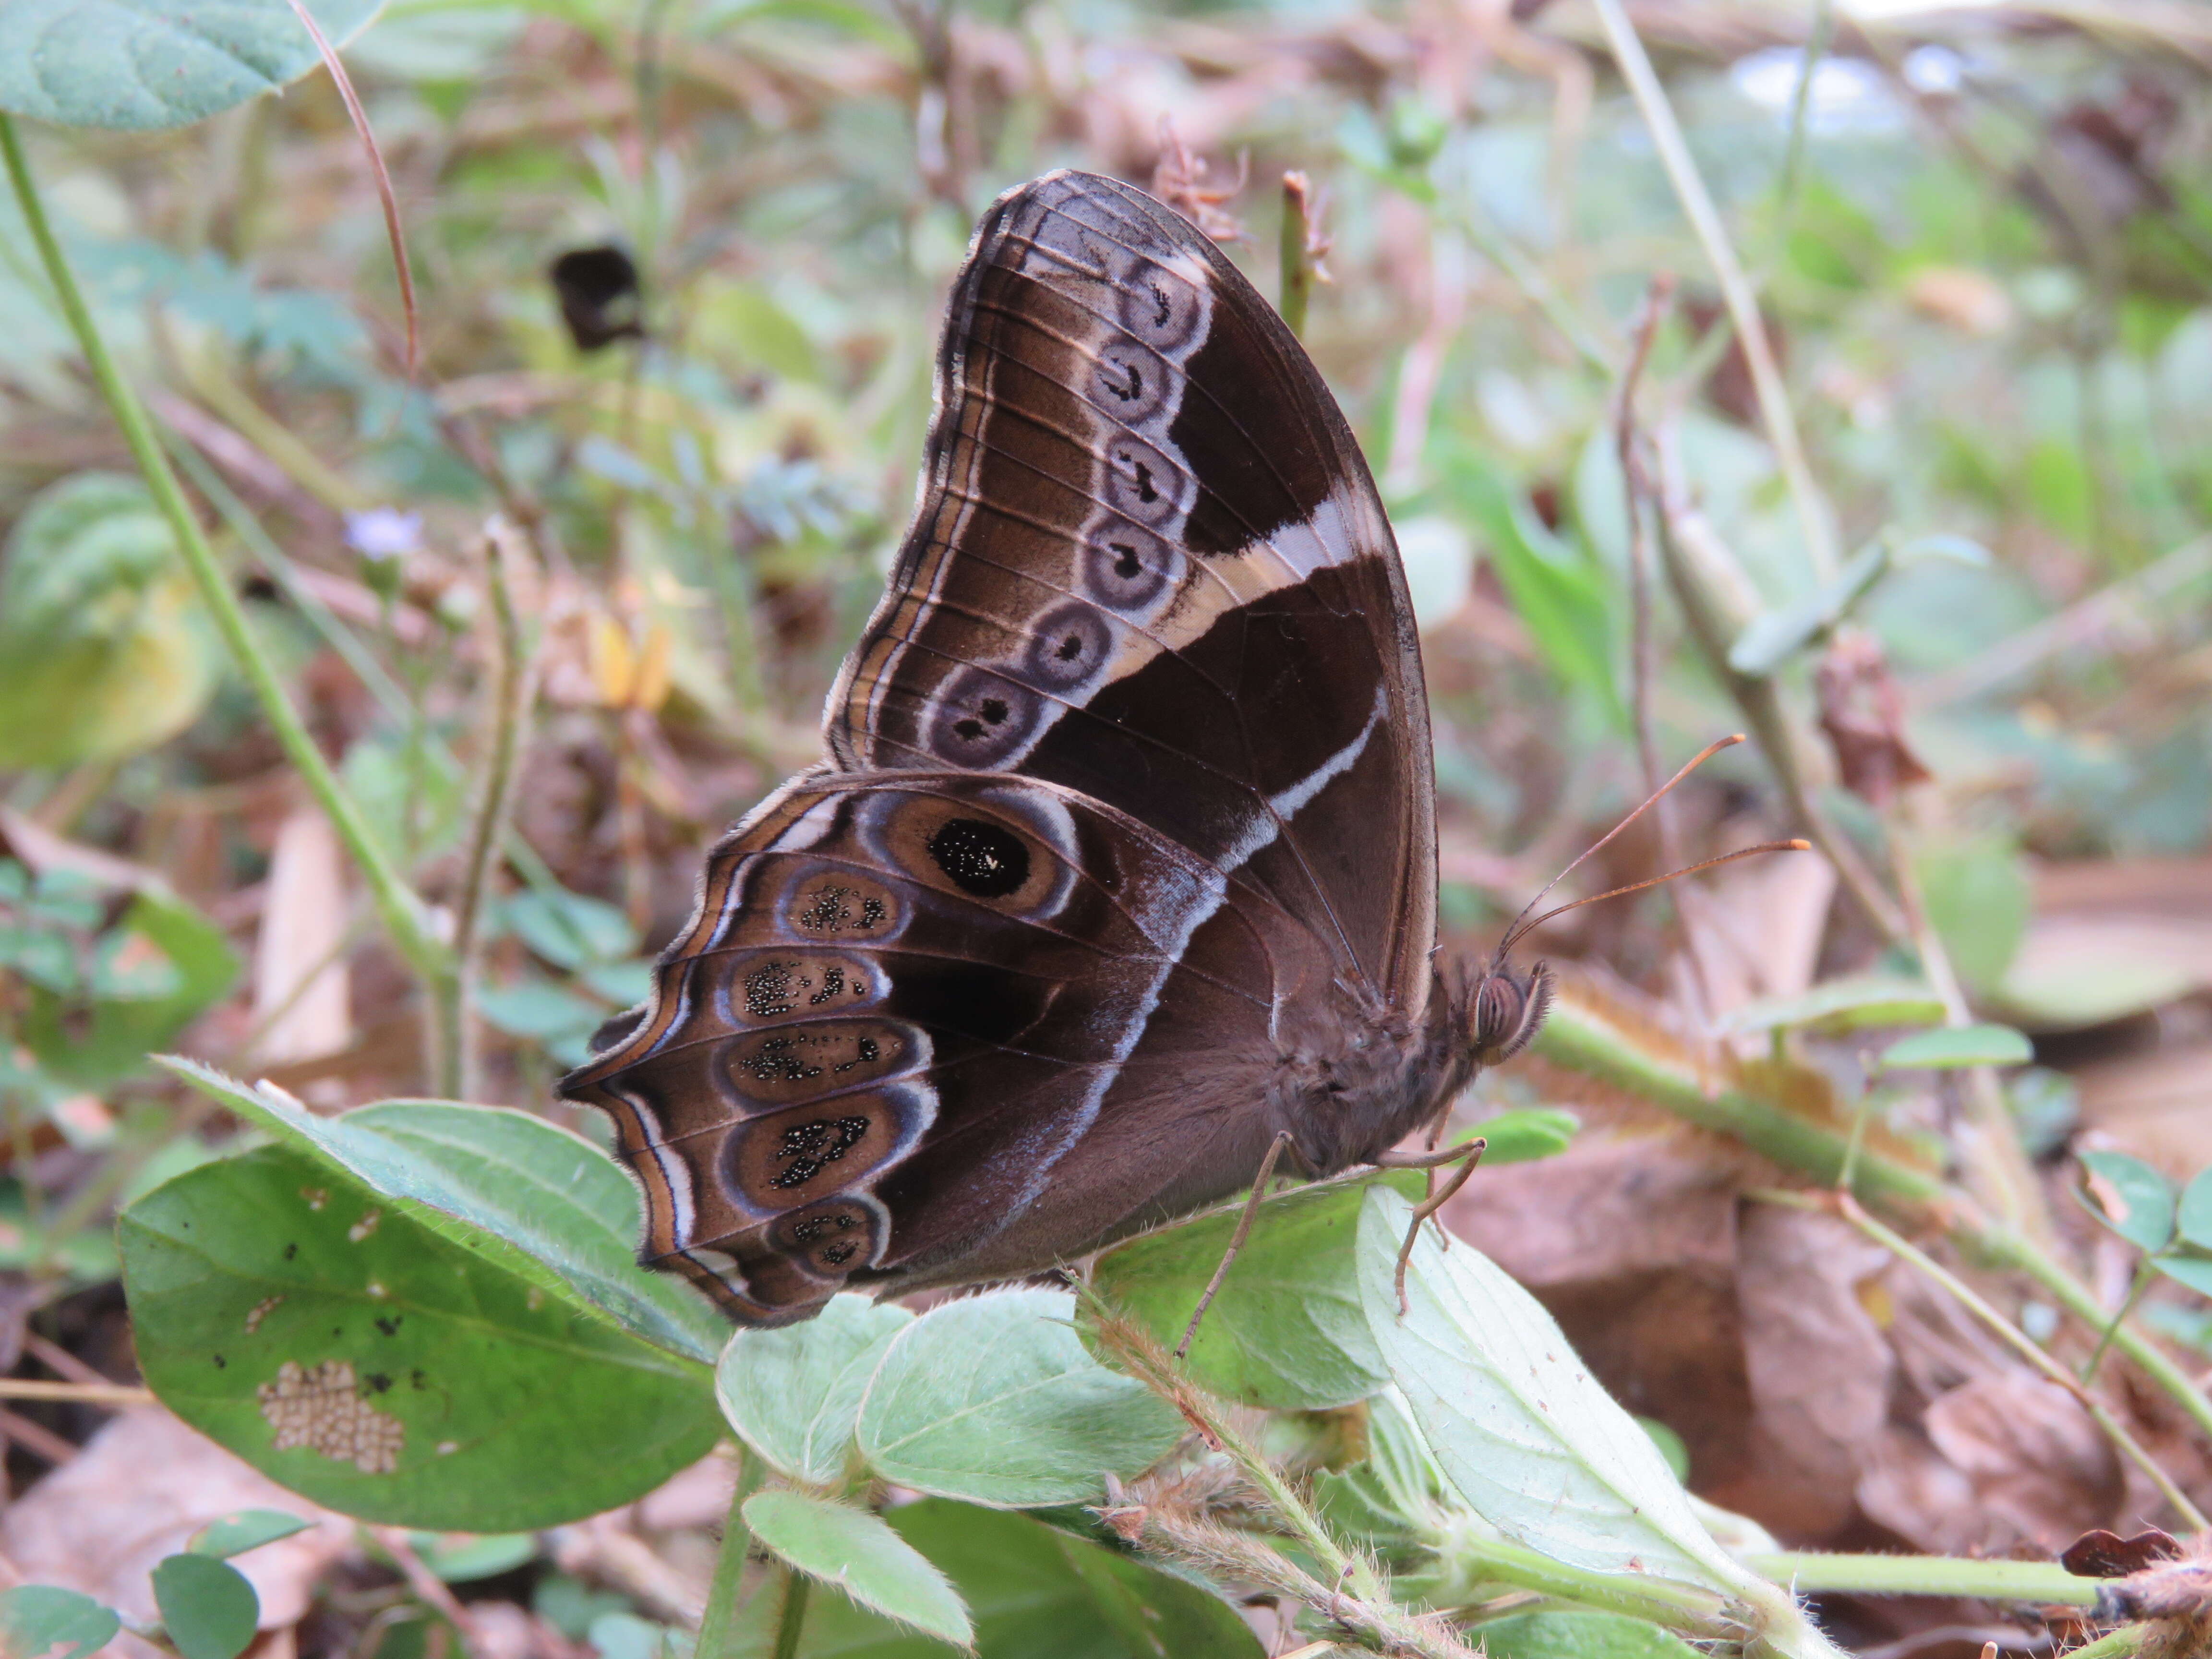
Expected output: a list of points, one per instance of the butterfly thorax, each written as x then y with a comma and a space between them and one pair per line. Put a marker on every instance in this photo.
1356, 1082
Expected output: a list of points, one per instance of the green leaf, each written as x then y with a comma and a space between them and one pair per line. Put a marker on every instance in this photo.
1840, 1006
1949, 1046
39, 1619
993, 1398
1531, 1444
2194, 1271
1978, 901
859, 1553
460, 1559
1578, 1633
1559, 597
1286, 1331
1032, 1589
94, 1047
330, 1336
567, 929
794, 1395
626, 1636
533, 1008
104, 649
140, 64
247, 1530
2194, 1215
561, 1213
2131, 1198
1774, 637
207, 1608
1525, 1133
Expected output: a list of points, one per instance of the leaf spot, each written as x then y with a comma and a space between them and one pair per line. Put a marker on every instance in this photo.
325, 1411
260, 1311
316, 1196
362, 1228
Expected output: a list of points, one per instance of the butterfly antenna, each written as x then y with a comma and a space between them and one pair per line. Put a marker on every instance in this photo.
1704, 754
1520, 930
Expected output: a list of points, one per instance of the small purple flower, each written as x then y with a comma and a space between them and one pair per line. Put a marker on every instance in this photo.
384, 532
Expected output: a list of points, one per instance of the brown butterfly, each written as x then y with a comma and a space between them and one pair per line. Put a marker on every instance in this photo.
1121, 860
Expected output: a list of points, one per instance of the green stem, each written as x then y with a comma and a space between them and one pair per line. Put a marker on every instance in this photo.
718, 1625
1735, 287
1472, 1562
2120, 1644
793, 1622
2003, 1248
1294, 252
402, 915
2144, 1274
1809, 1571
1579, 1037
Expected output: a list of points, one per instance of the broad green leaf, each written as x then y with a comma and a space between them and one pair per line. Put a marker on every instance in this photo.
993, 1398
207, 1608
560, 1214
141, 64
1286, 1330
2194, 1271
793, 1395
1032, 1589
1978, 901
104, 649
2131, 1198
1578, 1633
2193, 1217
1529, 1441
859, 1553
1559, 597
626, 1636
2076, 987
97, 1046
39, 1621
568, 929
1949, 1046
330, 1337
248, 1529
1841, 1005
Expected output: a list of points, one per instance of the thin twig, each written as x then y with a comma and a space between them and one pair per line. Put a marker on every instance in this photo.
1640, 499
81, 1393
385, 195
1735, 287
512, 693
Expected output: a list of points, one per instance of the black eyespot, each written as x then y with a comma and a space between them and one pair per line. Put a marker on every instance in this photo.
994, 710
980, 858
983, 719
1161, 309
1069, 645
1140, 482
1127, 567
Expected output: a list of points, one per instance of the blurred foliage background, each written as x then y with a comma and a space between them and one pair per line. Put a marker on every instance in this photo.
1982, 243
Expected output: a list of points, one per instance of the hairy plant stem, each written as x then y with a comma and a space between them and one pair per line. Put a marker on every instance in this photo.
1295, 252
1808, 1571
718, 1622
2119, 1644
1369, 1608
402, 912
791, 1620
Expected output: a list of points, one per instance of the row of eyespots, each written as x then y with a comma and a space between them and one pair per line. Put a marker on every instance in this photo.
988, 716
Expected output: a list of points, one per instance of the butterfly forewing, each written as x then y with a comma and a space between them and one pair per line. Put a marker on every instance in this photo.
1127, 826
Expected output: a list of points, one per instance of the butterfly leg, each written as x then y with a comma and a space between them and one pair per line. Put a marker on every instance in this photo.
1467, 1154
1236, 1239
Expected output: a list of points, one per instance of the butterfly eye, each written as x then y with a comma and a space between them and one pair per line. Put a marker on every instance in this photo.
1506, 1011
1497, 1003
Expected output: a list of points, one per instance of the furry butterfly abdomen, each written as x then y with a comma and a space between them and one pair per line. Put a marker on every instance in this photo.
1123, 856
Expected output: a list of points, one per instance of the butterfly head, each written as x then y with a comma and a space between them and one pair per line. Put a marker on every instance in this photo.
1505, 1010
